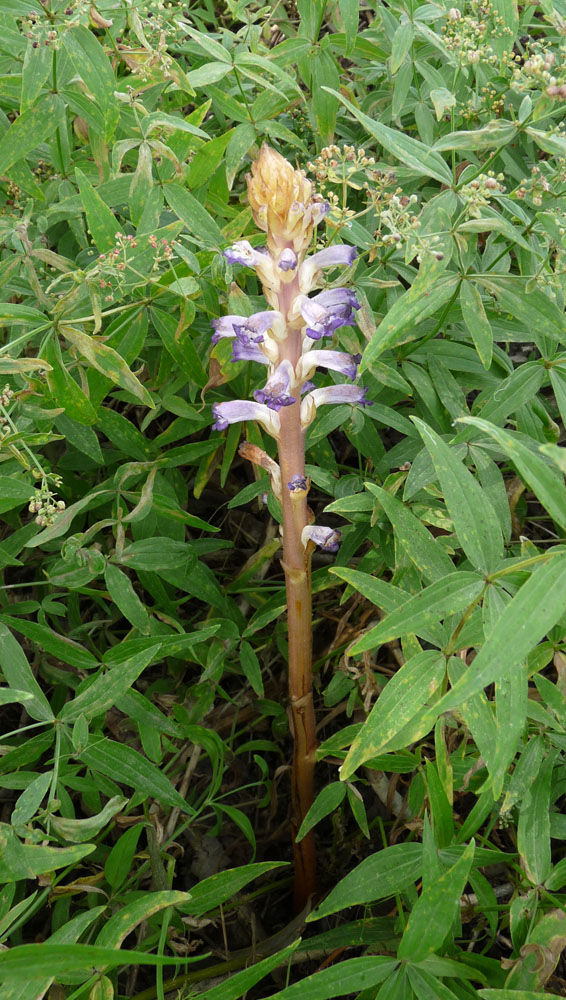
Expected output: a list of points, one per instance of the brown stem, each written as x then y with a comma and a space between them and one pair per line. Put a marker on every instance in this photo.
296, 564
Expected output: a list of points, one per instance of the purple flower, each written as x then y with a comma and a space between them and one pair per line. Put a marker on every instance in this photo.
259, 258
287, 260
326, 538
354, 394
243, 349
251, 327
334, 256
338, 361
243, 409
276, 391
327, 311
297, 483
242, 252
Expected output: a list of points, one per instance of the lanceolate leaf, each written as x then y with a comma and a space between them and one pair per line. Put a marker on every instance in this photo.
537, 606
534, 470
475, 520
401, 701
441, 599
410, 152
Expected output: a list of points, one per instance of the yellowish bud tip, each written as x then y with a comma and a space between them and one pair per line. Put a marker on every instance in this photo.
281, 199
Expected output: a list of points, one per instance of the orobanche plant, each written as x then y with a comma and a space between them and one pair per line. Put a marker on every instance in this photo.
286, 338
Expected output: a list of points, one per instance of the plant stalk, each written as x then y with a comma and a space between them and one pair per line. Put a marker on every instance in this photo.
296, 565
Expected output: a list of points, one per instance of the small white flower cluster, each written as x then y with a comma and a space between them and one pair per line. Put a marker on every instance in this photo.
478, 193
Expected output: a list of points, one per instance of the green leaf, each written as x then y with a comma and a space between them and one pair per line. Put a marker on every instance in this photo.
389, 871
65, 391
534, 470
417, 541
211, 892
36, 961
327, 800
119, 861
108, 362
476, 523
238, 984
423, 160
206, 159
325, 81
92, 65
18, 674
251, 668
534, 310
37, 67
348, 977
127, 919
429, 292
101, 222
177, 339
477, 322
12, 314
107, 689
29, 130
194, 216
432, 915
154, 554
403, 698
401, 43
533, 829
23, 861
445, 597
123, 595
536, 607
350, 14
125, 765
60, 646
211, 72
79, 830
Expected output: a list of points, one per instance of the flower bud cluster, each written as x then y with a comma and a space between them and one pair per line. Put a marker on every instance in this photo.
45, 506
469, 35
540, 72
535, 187
285, 337
479, 192
402, 226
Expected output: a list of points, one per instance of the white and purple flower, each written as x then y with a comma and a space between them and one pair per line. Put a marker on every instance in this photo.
353, 394
326, 312
234, 411
327, 539
340, 255
253, 327
277, 390
338, 361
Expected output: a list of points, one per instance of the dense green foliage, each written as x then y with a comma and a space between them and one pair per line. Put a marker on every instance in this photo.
142, 631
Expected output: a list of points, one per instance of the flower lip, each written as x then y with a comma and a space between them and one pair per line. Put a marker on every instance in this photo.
333, 256
251, 327
327, 311
242, 252
338, 361
246, 350
276, 391
297, 483
236, 410
353, 394
288, 260
327, 539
